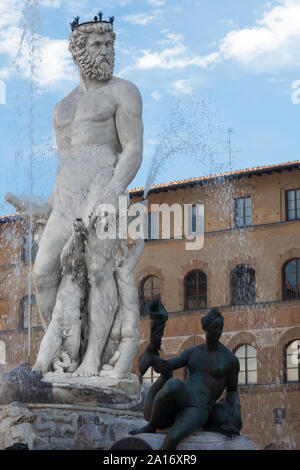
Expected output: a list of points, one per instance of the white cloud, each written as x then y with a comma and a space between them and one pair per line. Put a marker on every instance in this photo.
140, 18
226, 22
56, 66
123, 3
156, 95
172, 38
50, 3
276, 80
6, 73
181, 86
53, 62
177, 56
156, 3
273, 43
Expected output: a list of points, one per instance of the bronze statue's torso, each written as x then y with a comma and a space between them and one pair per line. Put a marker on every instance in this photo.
207, 373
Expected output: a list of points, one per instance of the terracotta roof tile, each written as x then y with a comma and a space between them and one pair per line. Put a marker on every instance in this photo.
3, 217
217, 175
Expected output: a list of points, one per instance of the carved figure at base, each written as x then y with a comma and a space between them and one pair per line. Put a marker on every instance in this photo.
123, 340
16, 427
186, 407
61, 343
102, 300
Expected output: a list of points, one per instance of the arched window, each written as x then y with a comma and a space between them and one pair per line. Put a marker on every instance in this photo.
242, 285
292, 361
247, 357
291, 279
149, 289
195, 290
24, 313
2, 352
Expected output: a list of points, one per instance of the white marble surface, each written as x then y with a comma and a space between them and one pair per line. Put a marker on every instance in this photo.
16, 426
99, 134
123, 393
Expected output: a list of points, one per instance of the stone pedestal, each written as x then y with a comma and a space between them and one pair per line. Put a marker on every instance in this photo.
73, 412
199, 441
26, 386
61, 425
95, 391
23, 385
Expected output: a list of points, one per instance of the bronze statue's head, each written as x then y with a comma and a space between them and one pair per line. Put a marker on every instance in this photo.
213, 323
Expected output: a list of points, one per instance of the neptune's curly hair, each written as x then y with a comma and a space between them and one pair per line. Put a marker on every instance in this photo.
210, 317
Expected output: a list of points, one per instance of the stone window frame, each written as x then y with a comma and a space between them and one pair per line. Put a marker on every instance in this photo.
296, 208
197, 271
142, 294
152, 226
244, 216
233, 297
285, 362
284, 287
246, 358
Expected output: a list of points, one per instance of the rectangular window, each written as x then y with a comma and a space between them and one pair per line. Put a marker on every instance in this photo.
27, 250
293, 204
194, 218
149, 225
152, 226
242, 212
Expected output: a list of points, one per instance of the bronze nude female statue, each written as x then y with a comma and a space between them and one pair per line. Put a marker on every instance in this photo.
187, 406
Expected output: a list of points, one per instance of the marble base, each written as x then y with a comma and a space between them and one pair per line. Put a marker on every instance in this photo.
61, 426
95, 391
201, 440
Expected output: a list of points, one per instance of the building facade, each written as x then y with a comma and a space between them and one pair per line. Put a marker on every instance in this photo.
248, 267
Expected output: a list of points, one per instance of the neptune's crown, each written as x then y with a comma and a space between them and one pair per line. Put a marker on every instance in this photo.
97, 19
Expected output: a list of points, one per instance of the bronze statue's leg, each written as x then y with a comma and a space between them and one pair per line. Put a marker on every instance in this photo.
187, 421
168, 402
150, 397
155, 411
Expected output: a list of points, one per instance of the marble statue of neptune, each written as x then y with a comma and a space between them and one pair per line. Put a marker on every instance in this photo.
99, 134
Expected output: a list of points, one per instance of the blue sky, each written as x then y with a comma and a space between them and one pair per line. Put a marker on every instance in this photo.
201, 67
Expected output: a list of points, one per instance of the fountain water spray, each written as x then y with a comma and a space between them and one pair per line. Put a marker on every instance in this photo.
193, 129
29, 49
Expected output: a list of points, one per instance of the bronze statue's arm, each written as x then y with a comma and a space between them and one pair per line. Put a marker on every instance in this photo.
232, 382
160, 365
179, 361
232, 395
